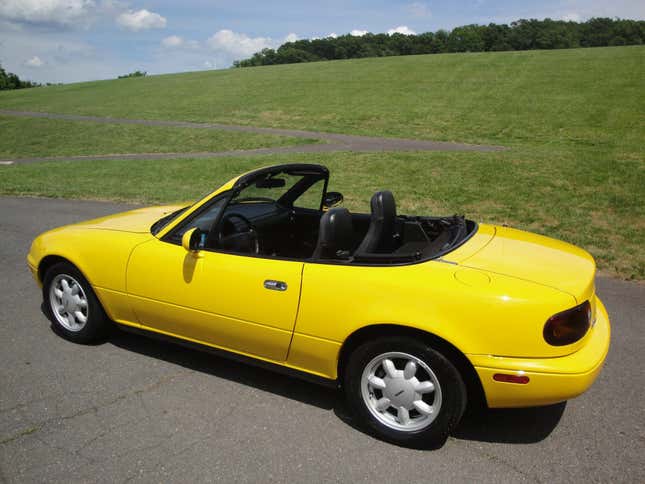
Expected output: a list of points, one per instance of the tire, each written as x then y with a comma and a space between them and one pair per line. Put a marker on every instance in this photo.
71, 305
419, 379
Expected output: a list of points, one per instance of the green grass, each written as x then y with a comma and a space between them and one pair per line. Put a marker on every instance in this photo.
525, 189
574, 121
35, 137
572, 96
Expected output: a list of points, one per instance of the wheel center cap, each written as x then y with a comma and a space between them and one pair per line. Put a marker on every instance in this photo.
399, 391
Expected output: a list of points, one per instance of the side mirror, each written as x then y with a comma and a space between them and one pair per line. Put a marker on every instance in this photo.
332, 199
193, 240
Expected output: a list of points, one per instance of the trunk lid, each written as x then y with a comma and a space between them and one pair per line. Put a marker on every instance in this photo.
535, 258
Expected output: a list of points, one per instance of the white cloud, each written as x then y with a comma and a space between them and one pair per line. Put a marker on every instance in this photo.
419, 9
172, 41
401, 29
571, 17
333, 35
358, 33
216, 52
58, 12
237, 45
141, 20
35, 61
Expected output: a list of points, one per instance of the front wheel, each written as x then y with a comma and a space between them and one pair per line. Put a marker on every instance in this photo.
405, 392
72, 305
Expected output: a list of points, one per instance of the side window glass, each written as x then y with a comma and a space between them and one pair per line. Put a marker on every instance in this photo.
311, 198
203, 220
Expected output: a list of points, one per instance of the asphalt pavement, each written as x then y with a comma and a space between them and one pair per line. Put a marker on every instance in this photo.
134, 409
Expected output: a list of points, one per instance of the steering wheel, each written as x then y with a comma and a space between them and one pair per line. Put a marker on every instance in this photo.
243, 237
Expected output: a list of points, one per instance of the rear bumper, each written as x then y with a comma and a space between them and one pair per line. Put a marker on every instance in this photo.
551, 380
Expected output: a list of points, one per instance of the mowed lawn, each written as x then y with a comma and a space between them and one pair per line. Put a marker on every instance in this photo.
573, 120
574, 96
37, 137
600, 207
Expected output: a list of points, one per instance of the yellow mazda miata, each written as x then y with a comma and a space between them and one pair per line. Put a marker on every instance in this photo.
411, 316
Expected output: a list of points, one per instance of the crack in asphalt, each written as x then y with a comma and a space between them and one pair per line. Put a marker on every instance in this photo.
22, 433
334, 142
36, 427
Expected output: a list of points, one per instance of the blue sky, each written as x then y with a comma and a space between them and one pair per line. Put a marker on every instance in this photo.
77, 40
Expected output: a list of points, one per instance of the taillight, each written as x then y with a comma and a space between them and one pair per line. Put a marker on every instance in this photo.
568, 326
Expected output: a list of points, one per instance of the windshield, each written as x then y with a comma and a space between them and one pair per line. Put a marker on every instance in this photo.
284, 189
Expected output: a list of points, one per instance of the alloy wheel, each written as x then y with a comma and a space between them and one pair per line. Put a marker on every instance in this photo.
401, 391
68, 302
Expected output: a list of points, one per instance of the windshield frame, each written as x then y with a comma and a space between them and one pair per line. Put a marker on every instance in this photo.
163, 222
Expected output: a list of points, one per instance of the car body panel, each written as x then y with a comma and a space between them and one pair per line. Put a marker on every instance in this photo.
337, 300
536, 258
478, 241
215, 297
101, 255
138, 220
551, 380
489, 298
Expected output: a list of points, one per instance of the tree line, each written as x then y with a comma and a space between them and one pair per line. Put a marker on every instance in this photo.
519, 35
9, 80
133, 74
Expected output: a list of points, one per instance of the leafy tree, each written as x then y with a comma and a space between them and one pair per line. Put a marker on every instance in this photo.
523, 34
9, 80
466, 39
134, 74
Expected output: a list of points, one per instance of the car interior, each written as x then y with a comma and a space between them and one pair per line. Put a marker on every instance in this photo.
288, 213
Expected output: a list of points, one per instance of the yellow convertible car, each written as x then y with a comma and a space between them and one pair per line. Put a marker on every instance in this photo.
411, 316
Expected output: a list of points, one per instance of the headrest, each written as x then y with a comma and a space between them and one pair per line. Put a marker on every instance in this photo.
383, 205
336, 233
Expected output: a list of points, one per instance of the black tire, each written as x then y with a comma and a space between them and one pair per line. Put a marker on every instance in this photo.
452, 391
97, 325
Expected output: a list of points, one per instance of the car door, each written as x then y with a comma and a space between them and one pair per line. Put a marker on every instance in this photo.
236, 302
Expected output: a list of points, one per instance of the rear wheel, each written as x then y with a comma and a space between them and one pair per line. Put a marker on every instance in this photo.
72, 305
405, 392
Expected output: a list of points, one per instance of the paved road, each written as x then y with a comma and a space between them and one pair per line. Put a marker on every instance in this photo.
333, 142
135, 409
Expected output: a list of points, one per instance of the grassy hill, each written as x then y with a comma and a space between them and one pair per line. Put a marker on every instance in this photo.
512, 97
574, 121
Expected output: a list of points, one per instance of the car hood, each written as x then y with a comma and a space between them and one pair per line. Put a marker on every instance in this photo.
532, 257
139, 220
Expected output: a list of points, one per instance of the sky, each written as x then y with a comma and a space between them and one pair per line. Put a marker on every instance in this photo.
80, 40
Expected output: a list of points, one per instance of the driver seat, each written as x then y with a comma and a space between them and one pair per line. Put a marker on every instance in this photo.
335, 236
381, 235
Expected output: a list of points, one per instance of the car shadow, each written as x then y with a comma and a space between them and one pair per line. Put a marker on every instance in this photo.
211, 364
518, 426
510, 425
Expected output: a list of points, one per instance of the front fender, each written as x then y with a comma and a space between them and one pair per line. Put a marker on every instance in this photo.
101, 255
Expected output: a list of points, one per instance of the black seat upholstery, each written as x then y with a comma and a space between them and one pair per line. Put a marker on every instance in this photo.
335, 235
381, 235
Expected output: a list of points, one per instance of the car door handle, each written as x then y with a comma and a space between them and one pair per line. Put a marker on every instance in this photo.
275, 285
